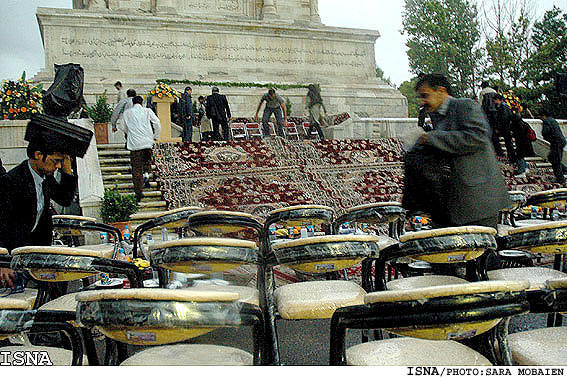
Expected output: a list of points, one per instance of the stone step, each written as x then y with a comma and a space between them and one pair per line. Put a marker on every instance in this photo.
128, 186
110, 153
110, 146
533, 159
543, 165
147, 194
146, 205
113, 161
146, 215
120, 168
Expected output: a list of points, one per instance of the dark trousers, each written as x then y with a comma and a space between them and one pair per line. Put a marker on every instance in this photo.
224, 124
495, 135
317, 126
554, 157
141, 161
277, 112
187, 135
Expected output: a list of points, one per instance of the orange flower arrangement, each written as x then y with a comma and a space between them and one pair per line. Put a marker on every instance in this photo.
19, 99
163, 90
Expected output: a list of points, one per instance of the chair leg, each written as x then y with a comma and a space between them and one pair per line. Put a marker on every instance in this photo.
90, 348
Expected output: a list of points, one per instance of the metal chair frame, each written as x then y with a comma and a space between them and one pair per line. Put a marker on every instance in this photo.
254, 129
234, 127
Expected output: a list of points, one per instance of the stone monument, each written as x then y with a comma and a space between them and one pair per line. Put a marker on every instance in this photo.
261, 41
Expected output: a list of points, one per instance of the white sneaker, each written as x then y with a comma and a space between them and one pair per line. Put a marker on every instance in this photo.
522, 175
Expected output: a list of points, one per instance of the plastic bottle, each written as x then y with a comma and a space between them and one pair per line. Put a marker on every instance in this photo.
126, 283
103, 237
272, 232
164, 234
534, 213
149, 239
303, 232
126, 235
121, 255
553, 213
310, 230
290, 232
417, 222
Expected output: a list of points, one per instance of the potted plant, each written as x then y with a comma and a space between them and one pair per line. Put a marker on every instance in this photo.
117, 208
100, 113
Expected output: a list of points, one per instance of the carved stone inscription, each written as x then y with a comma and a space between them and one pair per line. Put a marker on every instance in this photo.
213, 6
150, 52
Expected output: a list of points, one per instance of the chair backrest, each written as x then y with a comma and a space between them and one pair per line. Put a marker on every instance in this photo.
219, 223
72, 229
238, 130
324, 254
457, 311
390, 213
253, 129
555, 198
290, 129
174, 218
157, 316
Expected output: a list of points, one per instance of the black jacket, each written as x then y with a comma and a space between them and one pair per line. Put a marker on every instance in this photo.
217, 107
552, 133
18, 207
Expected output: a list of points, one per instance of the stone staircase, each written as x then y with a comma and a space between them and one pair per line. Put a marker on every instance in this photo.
539, 162
114, 162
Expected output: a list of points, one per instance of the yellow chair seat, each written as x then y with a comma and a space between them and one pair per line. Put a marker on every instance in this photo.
539, 347
423, 281
316, 299
64, 303
29, 295
537, 276
57, 356
190, 355
3, 251
414, 352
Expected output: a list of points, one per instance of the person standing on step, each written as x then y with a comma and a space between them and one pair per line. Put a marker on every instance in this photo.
121, 107
551, 132
275, 104
204, 122
452, 172
314, 104
121, 93
504, 117
186, 114
486, 101
142, 127
218, 111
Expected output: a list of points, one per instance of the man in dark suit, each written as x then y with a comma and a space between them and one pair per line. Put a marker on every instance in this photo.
186, 114
473, 188
218, 112
552, 134
25, 195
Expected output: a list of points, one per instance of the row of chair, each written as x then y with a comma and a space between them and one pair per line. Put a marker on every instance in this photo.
249, 130
406, 306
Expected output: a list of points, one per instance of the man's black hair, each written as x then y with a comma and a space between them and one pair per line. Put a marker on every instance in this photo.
118, 83
484, 84
545, 113
201, 97
271, 91
434, 81
39, 146
498, 97
137, 100
186, 88
131, 92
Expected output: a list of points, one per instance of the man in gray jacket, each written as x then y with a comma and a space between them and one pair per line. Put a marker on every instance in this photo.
473, 188
551, 132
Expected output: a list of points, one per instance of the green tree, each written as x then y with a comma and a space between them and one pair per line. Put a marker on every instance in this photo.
549, 57
507, 26
443, 36
407, 89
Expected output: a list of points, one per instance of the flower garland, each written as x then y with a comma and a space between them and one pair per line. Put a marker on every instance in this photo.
513, 101
232, 84
163, 90
19, 99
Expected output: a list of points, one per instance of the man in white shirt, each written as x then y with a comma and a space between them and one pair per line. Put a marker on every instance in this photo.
142, 127
121, 93
123, 105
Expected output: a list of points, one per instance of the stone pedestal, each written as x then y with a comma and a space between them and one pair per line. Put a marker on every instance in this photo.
163, 106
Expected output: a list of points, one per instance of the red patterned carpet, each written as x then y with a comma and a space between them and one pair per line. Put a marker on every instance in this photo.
257, 176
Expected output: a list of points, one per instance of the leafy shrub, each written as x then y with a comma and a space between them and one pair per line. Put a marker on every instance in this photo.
117, 207
101, 111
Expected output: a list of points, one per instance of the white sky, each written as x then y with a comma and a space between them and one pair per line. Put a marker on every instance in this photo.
20, 39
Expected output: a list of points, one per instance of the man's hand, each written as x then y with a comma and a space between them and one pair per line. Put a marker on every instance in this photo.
422, 139
114, 129
7, 277
66, 167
